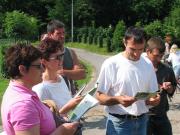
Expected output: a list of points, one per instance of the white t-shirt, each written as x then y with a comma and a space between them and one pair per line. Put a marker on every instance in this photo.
174, 58
58, 92
120, 76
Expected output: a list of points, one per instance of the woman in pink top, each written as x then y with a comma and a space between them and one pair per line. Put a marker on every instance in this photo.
22, 111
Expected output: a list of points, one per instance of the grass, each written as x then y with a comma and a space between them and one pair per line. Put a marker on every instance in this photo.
91, 48
3, 84
89, 69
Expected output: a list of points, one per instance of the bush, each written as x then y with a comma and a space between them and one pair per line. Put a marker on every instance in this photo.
154, 29
3, 72
118, 36
173, 22
20, 25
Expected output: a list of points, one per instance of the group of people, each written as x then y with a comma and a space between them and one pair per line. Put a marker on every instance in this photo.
47, 73
132, 71
40, 78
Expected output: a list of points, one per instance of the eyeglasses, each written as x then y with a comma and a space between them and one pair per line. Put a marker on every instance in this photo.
58, 57
38, 66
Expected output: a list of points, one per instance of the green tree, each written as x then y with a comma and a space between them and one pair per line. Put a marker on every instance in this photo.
173, 20
154, 29
20, 25
118, 36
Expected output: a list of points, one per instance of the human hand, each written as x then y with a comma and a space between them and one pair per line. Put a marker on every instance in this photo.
166, 86
153, 100
126, 100
61, 72
68, 128
74, 101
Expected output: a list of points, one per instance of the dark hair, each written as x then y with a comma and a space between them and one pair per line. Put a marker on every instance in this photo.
19, 54
54, 24
156, 43
49, 46
137, 33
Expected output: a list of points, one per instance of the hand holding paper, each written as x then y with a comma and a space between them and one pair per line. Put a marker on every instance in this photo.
145, 95
87, 103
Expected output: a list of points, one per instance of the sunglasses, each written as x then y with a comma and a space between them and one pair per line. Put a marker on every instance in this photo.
57, 57
38, 66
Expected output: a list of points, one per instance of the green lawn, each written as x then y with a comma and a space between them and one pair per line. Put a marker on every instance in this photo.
90, 48
3, 86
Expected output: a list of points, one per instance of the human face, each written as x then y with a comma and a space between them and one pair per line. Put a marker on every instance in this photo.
55, 61
58, 35
133, 50
155, 56
34, 74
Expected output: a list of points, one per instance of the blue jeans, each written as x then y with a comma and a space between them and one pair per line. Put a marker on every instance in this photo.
177, 71
126, 126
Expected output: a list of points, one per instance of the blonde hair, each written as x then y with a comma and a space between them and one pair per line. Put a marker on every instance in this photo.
174, 48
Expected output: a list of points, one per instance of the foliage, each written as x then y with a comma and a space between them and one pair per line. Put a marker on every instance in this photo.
118, 36
173, 21
2, 63
154, 29
88, 69
20, 25
84, 12
148, 11
109, 36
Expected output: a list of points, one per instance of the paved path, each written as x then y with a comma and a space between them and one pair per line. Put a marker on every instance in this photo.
95, 119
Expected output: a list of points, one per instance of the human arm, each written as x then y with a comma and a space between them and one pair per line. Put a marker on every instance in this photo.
124, 100
70, 105
167, 86
169, 82
78, 72
64, 129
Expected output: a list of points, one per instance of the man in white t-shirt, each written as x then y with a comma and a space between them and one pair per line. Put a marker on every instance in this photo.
120, 78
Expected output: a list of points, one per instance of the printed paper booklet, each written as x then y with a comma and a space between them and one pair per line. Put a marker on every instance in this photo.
87, 103
145, 95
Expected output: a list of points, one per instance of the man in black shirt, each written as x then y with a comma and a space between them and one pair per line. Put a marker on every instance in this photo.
159, 123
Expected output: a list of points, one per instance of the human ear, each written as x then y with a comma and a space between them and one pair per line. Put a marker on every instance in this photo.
22, 70
124, 42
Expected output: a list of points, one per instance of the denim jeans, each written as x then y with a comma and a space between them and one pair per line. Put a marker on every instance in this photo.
126, 126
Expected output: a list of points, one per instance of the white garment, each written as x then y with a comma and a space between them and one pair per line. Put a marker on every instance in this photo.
120, 76
58, 92
167, 50
174, 58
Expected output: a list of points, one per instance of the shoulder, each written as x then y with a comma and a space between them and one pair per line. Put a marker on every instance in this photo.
38, 87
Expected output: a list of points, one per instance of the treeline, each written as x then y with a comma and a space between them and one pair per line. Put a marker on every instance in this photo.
95, 21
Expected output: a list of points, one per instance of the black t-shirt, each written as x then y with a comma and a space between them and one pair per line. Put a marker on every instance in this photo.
164, 74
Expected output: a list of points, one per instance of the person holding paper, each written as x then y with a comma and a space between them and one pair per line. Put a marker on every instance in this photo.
159, 123
53, 86
22, 112
120, 78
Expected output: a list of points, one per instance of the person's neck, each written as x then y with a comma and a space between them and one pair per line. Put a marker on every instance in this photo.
50, 76
23, 83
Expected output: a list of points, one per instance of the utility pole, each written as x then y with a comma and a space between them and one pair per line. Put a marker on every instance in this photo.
72, 21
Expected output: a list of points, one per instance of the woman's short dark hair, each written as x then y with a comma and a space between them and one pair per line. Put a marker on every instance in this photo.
49, 46
20, 54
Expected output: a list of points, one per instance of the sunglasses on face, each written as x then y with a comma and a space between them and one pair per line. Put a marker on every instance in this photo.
38, 66
57, 57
